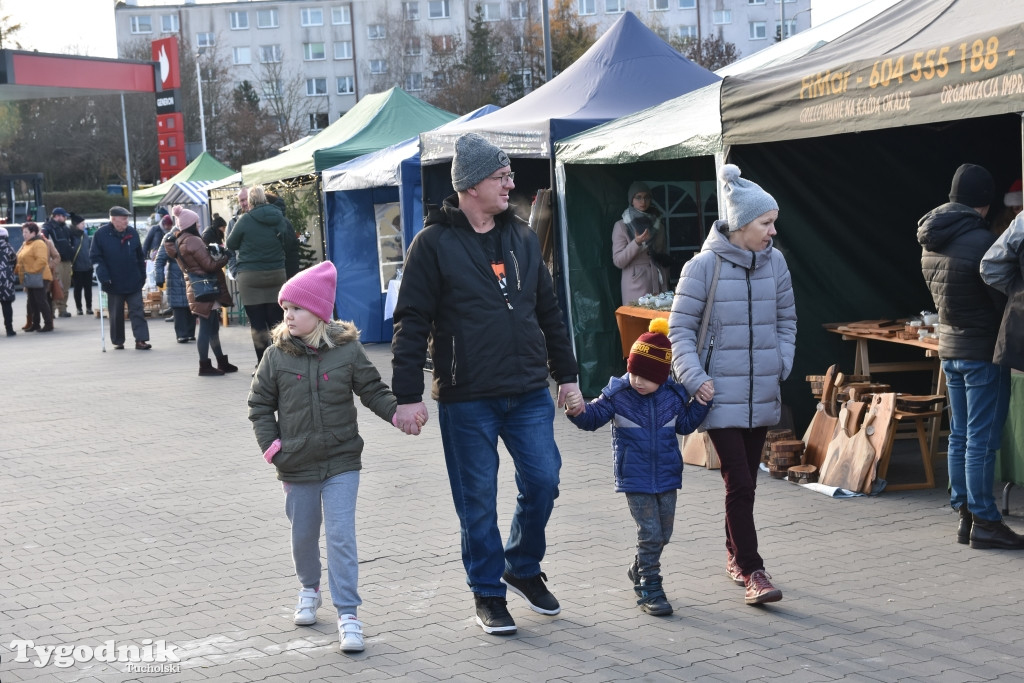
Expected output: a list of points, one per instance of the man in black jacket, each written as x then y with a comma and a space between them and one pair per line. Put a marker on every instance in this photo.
58, 231
476, 287
954, 237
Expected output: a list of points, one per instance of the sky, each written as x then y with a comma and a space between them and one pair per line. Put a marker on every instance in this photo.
87, 26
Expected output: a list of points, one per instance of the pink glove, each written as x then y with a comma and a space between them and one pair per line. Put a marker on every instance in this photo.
269, 454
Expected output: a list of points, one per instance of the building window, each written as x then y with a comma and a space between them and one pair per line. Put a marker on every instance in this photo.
723, 16
142, 24
346, 85
518, 44
272, 89
755, 2
378, 66
614, 6
491, 11
270, 54
413, 82
168, 23
790, 28
341, 15
343, 50
239, 20
687, 31
442, 44
411, 11
438, 9
315, 87
317, 120
657, 5
687, 4
241, 55
586, 7
205, 40
376, 31
524, 77
518, 9
413, 46
311, 16
266, 18
758, 30
312, 52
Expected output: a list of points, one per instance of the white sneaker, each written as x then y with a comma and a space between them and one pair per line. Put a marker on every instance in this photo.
350, 633
305, 610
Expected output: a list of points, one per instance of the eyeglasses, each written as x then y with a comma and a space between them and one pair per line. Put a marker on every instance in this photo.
504, 177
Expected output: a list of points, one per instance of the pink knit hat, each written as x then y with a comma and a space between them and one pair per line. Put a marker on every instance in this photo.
186, 218
313, 289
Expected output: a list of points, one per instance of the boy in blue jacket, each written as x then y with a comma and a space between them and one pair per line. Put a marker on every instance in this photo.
647, 410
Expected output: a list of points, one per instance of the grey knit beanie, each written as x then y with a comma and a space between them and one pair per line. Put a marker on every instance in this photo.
744, 200
635, 187
475, 159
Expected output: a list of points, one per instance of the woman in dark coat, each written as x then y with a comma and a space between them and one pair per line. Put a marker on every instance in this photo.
177, 293
195, 259
7, 260
262, 243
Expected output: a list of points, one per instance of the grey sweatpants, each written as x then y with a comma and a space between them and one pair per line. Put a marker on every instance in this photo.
332, 502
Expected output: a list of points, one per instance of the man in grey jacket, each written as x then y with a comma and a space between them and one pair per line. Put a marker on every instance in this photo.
954, 237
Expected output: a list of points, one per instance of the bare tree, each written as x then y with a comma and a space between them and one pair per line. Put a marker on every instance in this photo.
398, 50
283, 94
8, 30
712, 52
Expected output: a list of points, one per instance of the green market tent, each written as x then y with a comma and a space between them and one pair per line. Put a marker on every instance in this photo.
676, 141
187, 186
375, 122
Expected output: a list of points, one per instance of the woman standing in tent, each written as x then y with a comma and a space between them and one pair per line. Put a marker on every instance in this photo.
260, 240
638, 246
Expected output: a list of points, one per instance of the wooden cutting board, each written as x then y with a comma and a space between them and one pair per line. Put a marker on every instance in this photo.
836, 445
820, 430
854, 462
883, 406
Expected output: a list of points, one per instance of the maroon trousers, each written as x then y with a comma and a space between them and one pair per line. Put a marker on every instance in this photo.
740, 453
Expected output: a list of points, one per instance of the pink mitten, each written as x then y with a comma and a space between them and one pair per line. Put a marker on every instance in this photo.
269, 454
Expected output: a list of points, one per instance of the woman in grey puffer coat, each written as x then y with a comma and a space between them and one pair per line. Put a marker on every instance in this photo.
746, 353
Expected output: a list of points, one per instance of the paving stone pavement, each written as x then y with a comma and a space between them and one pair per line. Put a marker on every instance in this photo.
135, 507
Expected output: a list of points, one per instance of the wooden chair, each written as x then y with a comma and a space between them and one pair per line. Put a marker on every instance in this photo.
926, 425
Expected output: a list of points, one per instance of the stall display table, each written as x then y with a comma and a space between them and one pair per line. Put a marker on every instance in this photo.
928, 439
634, 321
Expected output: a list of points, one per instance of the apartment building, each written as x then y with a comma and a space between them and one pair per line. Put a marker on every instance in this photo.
342, 50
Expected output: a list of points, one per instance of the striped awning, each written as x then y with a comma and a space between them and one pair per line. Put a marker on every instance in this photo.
188, 192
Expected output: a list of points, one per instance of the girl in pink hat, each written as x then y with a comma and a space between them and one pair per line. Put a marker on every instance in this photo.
308, 377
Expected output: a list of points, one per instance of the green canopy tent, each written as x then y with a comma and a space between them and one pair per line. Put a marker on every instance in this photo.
375, 122
187, 186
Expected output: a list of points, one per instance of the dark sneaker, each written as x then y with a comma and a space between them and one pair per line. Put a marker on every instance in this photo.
652, 598
733, 570
492, 615
534, 592
760, 589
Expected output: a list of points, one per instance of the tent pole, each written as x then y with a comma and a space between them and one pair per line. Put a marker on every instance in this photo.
563, 231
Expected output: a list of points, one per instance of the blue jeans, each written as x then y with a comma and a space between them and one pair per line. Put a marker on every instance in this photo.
470, 431
654, 514
979, 398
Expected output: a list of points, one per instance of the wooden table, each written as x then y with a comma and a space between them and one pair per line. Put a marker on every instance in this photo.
633, 321
862, 365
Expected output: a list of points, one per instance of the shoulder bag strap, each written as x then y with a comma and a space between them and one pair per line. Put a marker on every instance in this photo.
706, 320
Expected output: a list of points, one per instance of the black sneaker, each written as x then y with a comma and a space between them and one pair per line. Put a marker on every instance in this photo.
534, 592
652, 598
492, 615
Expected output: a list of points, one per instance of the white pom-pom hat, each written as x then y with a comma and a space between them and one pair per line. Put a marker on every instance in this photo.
743, 199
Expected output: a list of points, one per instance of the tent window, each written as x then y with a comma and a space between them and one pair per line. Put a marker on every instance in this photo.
390, 249
687, 208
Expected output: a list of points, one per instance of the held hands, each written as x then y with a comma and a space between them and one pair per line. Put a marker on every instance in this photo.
570, 398
705, 392
410, 417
